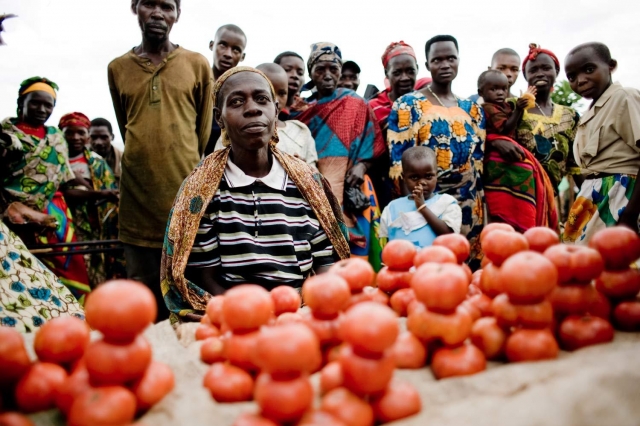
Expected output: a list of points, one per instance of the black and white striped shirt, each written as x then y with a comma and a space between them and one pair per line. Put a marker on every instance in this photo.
260, 231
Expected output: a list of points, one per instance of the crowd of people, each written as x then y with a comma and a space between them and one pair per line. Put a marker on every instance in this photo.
234, 174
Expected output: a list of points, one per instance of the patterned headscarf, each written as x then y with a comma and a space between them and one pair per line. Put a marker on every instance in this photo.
35, 84
396, 49
324, 51
534, 51
76, 119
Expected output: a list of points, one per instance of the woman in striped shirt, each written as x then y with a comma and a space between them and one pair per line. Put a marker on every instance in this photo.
249, 213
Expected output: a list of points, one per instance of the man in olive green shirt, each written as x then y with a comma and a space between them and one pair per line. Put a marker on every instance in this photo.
162, 98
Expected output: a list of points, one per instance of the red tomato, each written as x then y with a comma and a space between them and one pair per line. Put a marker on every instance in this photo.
451, 329
531, 345
457, 243
409, 352
285, 299
246, 307
74, 385
467, 271
110, 405
327, 331
495, 226
117, 364
157, 382
528, 277
36, 390
472, 310
391, 281
476, 277
319, 418
500, 245
508, 314
368, 294
490, 281
541, 238
247, 419
364, 376
575, 263
289, 317
61, 340
490, 338
14, 419
370, 328
400, 400
214, 310
326, 295
401, 299
212, 350
240, 349
398, 255
441, 287
435, 254
204, 332
627, 315
577, 332
619, 247
228, 383
14, 360
579, 300
120, 309
288, 349
483, 303
619, 284
463, 360
347, 407
358, 273
331, 377
283, 400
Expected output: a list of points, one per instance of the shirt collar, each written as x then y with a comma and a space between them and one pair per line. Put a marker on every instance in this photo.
275, 179
590, 113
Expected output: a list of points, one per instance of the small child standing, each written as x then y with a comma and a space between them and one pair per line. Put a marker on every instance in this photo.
422, 215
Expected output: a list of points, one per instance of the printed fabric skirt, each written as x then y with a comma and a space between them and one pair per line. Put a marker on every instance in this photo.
363, 229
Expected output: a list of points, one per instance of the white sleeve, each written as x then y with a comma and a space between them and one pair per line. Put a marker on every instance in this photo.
383, 229
310, 154
452, 215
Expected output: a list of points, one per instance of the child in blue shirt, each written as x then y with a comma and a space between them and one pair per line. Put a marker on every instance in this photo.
422, 215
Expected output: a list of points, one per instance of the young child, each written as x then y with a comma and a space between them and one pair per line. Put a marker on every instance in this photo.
422, 215
295, 137
507, 61
606, 147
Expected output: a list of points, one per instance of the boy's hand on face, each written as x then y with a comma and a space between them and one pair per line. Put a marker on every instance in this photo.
418, 196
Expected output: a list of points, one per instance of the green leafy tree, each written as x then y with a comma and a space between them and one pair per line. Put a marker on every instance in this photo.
563, 95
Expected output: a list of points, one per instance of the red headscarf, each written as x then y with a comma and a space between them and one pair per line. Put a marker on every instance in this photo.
76, 119
396, 49
534, 51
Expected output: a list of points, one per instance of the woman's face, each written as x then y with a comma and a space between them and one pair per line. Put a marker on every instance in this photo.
443, 61
37, 108
541, 73
401, 72
247, 111
325, 75
77, 139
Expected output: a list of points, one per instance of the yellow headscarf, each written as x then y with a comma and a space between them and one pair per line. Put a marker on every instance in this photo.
40, 87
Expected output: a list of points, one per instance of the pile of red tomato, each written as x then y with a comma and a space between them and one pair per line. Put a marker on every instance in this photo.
105, 381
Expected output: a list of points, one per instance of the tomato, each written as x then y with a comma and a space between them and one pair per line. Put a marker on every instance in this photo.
368, 294
288, 349
61, 340
111, 405
400, 400
206, 331
508, 314
483, 303
156, 383
578, 332
457, 243
240, 349
541, 238
435, 254
619, 247
228, 383
327, 331
331, 377
214, 310
619, 284
490, 281
370, 328
579, 300
398, 255
364, 376
401, 299
36, 390
14, 419
285, 299
487, 229
246, 419
409, 352
467, 271
74, 385
14, 359
246, 307
575, 263
489, 337
463, 360
531, 345
319, 418
627, 315
528, 277
391, 281
451, 329
120, 309
283, 400
441, 287
212, 350
471, 310
289, 317
116, 364
500, 245
326, 295
476, 277
358, 273
347, 407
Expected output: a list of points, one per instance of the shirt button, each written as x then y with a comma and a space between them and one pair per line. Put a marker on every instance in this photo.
154, 87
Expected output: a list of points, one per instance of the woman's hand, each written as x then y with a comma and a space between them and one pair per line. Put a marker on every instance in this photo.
355, 175
508, 150
112, 195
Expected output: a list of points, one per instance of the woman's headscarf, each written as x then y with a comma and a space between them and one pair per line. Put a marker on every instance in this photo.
75, 119
324, 51
397, 49
35, 84
534, 51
